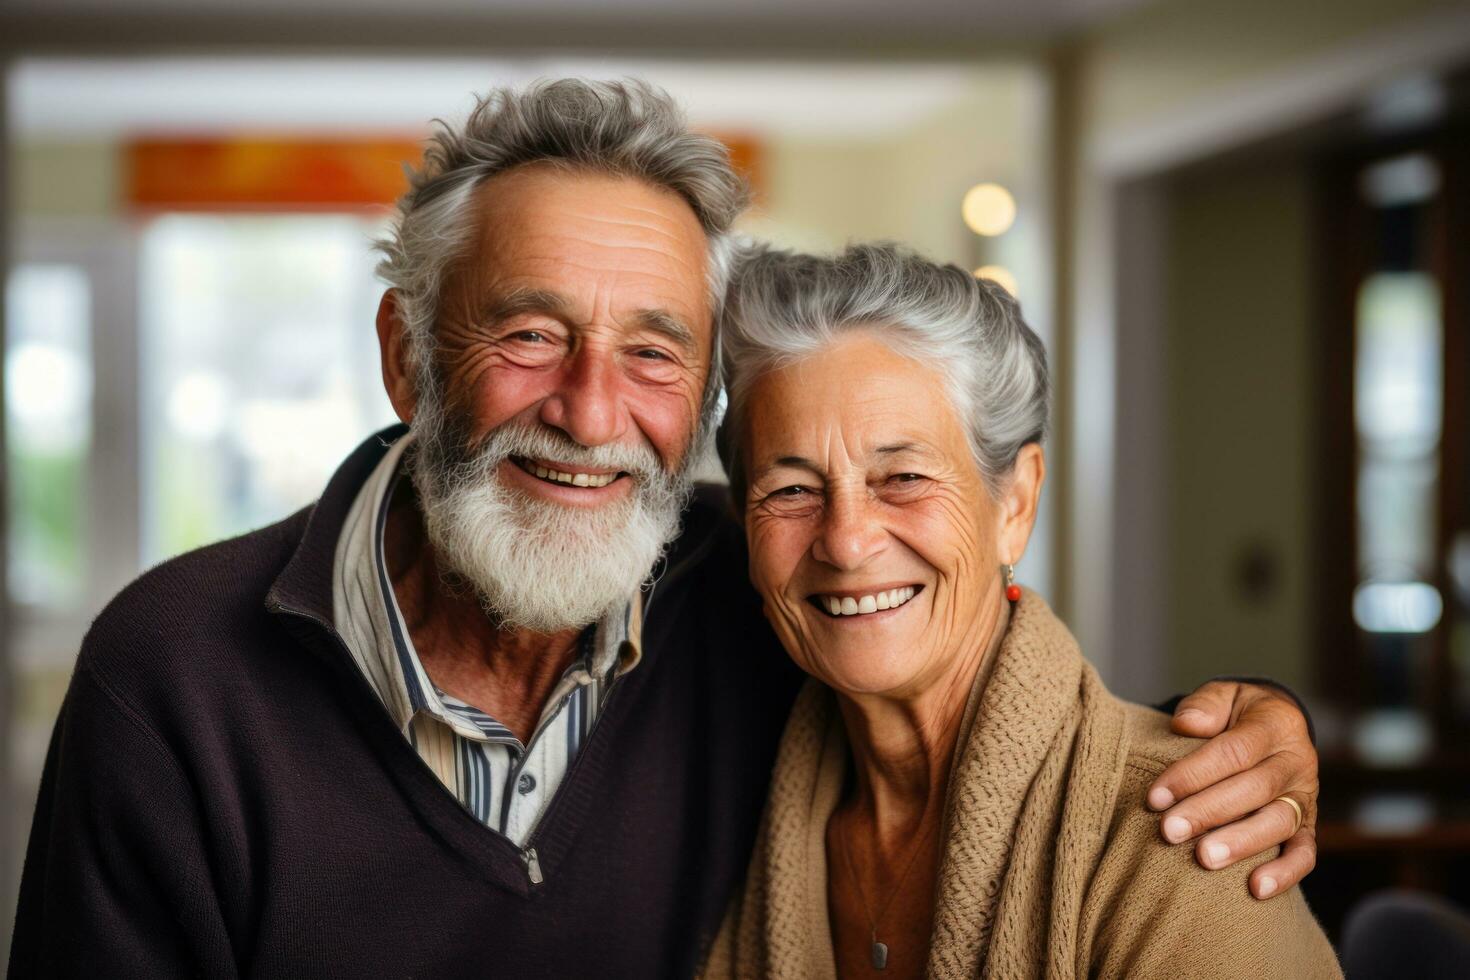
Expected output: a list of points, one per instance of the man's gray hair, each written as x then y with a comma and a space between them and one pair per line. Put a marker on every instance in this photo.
785, 306
626, 128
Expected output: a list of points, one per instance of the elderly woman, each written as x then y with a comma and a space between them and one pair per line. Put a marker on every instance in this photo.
956, 792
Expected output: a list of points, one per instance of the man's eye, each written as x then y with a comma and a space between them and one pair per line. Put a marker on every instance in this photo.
792, 491
651, 354
529, 336
906, 477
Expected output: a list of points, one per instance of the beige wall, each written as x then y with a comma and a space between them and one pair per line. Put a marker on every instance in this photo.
71, 180
907, 185
1239, 399
1166, 55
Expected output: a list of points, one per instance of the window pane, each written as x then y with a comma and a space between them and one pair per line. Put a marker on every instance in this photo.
1396, 526
1399, 364
48, 428
260, 368
1398, 395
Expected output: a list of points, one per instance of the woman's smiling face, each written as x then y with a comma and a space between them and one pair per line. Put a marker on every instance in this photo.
873, 539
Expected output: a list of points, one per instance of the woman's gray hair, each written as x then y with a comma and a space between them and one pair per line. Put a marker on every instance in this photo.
785, 306
626, 128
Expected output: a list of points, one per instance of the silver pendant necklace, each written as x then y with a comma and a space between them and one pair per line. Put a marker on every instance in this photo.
879, 954
878, 951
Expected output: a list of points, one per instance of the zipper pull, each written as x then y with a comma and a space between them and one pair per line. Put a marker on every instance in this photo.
533, 865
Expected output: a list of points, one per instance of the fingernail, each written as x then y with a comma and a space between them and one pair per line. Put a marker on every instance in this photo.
1160, 798
1215, 855
1191, 715
1267, 887
1176, 829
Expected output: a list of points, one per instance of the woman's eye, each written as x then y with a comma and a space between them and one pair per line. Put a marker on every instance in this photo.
792, 501
529, 336
901, 487
793, 496
650, 354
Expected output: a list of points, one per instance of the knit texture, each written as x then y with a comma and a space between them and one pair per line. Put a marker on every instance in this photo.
1051, 867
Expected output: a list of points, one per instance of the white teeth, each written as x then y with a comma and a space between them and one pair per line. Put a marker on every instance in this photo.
849, 606
573, 479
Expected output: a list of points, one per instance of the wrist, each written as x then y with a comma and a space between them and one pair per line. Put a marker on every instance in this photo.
1276, 685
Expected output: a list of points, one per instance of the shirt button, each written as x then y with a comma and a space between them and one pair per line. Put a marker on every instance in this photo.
526, 783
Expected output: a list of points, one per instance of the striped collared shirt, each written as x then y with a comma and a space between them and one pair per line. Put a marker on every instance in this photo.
504, 783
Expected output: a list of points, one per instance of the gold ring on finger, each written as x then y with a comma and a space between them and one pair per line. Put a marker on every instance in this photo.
1296, 808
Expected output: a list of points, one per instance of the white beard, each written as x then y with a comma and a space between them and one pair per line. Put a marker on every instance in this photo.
535, 564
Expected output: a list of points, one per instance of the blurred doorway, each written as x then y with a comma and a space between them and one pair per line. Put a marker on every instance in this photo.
1396, 334
1393, 516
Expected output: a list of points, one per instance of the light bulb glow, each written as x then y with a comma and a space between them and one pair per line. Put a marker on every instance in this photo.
989, 209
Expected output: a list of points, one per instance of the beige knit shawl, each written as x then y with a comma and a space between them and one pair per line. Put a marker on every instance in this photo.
1027, 811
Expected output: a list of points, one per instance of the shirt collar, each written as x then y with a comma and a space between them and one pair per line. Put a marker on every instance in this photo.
369, 619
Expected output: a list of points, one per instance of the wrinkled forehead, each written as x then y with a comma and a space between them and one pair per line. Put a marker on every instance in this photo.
599, 237
856, 400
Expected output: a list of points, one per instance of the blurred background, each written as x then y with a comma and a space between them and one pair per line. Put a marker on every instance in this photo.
1240, 226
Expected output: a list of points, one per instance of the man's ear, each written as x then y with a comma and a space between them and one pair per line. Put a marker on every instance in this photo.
1020, 502
393, 350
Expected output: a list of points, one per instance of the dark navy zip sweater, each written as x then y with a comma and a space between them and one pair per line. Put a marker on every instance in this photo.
224, 795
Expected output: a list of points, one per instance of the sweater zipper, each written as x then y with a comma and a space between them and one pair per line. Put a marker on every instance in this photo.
528, 854
529, 857
533, 865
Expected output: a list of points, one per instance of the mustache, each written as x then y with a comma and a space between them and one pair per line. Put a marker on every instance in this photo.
536, 441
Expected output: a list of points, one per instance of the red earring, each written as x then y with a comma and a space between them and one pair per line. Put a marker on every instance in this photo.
1013, 591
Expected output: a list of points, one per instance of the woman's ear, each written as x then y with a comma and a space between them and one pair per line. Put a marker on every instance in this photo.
392, 350
1020, 502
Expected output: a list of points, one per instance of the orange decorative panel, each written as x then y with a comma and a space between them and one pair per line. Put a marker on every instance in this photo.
286, 174
259, 174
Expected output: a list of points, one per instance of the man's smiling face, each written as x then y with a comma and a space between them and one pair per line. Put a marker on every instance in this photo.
572, 348
585, 307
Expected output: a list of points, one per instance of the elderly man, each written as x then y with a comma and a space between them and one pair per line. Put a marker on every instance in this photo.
501, 702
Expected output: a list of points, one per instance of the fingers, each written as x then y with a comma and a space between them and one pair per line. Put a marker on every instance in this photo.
1206, 712
1231, 799
1226, 791
1270, 825
1297, 860
1220, 758
1264, 724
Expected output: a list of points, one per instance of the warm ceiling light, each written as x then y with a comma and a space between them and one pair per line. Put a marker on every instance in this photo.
1001, 276
988, 209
